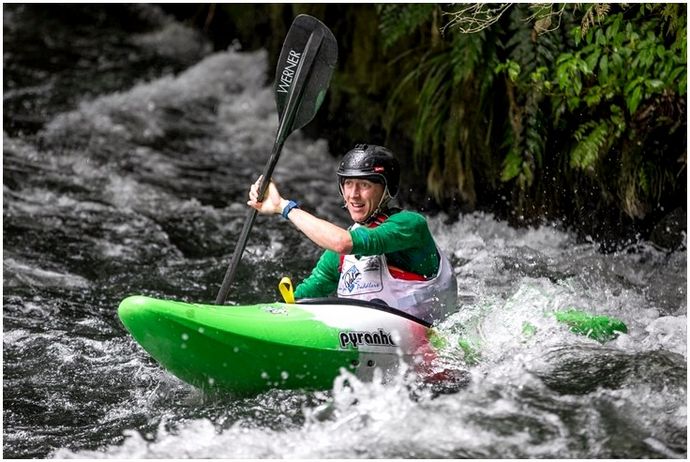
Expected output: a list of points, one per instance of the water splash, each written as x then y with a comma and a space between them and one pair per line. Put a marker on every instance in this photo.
142, 190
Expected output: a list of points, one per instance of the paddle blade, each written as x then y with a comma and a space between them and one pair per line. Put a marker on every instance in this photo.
314, 84
304, 71
600, 328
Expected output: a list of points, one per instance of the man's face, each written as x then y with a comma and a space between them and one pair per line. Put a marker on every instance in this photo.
362, 197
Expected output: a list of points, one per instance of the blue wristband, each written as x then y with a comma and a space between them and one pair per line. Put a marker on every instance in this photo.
288, 208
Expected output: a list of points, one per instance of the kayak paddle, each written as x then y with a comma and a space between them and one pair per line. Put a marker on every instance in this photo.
602, 328
303, 74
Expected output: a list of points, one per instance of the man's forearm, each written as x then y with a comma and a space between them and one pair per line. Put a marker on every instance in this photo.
324, 234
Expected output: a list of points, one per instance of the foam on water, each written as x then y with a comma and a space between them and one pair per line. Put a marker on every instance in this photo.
143, 191
24, 274
515, 404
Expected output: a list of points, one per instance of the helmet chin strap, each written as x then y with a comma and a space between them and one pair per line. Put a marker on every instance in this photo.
385, 198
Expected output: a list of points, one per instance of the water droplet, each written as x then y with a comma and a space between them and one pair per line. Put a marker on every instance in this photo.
236, 349
264, 375
284, 375
185, 336
201, 330
211, 381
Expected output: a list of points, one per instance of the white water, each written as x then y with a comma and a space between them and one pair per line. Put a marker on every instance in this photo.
142, 191
506, 411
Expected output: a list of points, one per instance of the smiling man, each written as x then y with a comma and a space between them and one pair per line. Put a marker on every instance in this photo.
387, 255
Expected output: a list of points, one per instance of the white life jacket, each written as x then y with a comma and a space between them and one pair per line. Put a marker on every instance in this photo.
369, 278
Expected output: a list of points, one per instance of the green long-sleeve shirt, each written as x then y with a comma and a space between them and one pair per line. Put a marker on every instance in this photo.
404, 238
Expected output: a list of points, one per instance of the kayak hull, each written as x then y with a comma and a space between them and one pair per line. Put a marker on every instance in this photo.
251, 349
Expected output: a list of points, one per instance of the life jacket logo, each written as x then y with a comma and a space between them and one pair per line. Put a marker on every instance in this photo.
350, 278
361, 278
288, 71
372, 264
355, 339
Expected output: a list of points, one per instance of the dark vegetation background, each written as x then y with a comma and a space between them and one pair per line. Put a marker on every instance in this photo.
537, 113
572, 114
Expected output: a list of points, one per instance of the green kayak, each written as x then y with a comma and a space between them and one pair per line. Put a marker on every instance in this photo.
250, 349
304, 345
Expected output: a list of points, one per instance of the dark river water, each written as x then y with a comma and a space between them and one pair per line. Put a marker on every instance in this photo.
128, 148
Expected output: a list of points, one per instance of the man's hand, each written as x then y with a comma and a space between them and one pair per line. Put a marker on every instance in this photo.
272, 203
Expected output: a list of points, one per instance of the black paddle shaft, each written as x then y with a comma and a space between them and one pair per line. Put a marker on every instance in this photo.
302, 78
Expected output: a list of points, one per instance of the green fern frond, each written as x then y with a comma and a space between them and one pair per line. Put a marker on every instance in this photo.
512, 165
535, 137
400, 20
585, 127
466, 55
434, 96
592, 138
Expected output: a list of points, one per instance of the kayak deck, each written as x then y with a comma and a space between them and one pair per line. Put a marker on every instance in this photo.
250, 349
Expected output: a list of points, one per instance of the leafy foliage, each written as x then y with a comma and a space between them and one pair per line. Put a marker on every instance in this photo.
445, 123
593, 139
621, 68
400, 20
586, 93
528, 130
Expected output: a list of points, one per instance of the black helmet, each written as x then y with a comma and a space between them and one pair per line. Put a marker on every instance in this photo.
371, 162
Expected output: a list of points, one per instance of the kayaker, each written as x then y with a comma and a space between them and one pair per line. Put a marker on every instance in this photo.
387, 255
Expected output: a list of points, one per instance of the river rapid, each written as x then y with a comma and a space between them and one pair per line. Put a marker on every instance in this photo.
127, 155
